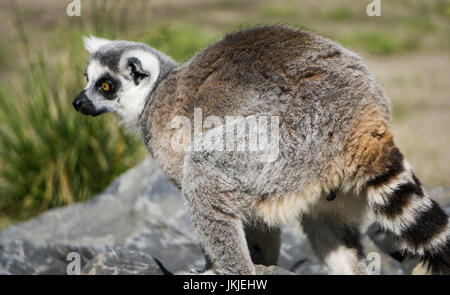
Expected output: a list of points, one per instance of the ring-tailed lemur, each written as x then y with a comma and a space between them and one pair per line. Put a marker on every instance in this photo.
337, 163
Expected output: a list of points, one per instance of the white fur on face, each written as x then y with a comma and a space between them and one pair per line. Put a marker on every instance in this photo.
132, 97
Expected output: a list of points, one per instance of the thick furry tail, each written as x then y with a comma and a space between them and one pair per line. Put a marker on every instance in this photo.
401, 206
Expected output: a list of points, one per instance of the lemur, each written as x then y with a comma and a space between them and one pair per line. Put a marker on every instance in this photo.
337, 165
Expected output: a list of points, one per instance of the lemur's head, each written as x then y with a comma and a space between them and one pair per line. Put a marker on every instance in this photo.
120, 76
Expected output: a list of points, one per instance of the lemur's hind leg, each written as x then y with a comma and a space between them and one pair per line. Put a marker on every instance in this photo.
335, 243
264, 243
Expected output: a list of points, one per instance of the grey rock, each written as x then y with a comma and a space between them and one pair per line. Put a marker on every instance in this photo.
296, 254
140, 211
140, 217
122, 262
271, 270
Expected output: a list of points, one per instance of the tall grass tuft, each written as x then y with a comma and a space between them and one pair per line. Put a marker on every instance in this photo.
51, 155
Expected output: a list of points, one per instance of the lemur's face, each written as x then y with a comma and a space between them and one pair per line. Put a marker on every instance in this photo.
120, 76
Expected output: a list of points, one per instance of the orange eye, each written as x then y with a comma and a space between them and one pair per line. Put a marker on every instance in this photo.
105, 86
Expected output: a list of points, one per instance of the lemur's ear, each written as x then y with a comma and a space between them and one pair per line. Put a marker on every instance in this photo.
136, 69
140, 65
92, 44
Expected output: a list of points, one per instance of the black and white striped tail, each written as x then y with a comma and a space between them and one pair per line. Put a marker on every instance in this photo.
401, 206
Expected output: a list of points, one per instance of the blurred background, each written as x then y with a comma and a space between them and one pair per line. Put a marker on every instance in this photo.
52, 156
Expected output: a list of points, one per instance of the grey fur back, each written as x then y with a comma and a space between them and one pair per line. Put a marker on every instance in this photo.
316, 87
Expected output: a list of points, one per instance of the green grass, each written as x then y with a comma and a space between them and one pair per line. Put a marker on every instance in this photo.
179, 42
340, 14
399, 111
379, 43
443, 7
278, 10
4, 56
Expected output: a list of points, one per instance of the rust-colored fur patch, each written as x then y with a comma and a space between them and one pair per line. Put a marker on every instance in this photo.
371, 154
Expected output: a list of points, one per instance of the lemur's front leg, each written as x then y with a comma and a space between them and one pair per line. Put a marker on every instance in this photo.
263, 243
216, 218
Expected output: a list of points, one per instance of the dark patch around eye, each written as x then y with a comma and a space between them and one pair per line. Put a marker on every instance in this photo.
114, 86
